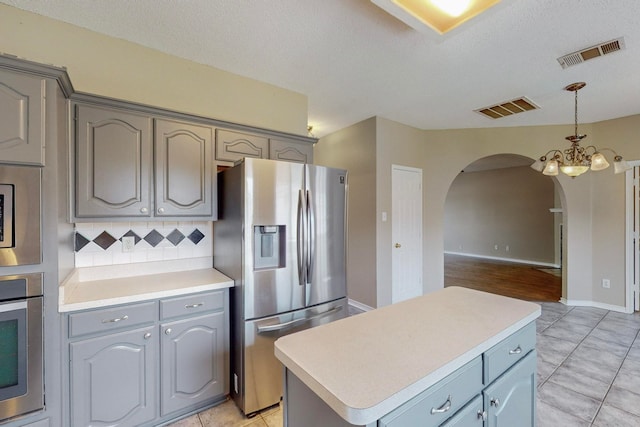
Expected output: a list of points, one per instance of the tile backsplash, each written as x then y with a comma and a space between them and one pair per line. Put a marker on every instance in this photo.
99, 244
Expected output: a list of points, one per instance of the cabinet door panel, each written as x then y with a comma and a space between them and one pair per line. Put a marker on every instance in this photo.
511, 399
233, 146
113, 163
22, 118
290, 151
192, 361
183, 168
113, 379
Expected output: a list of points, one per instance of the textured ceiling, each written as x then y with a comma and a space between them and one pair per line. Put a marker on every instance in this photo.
354, 61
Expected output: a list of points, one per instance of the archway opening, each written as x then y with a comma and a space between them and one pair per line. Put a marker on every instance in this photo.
503, 230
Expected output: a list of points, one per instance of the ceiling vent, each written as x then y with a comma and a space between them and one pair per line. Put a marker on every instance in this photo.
508, 108
602, 49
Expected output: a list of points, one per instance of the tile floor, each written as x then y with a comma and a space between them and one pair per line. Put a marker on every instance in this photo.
588, 373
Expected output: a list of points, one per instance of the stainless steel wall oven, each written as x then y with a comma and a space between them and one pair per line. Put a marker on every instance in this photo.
21, 361
20, 237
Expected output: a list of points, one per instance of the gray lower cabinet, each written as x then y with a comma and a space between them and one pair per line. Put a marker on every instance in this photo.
113, 379
130, 165
232, 146
147, 363
22, 103
511, 399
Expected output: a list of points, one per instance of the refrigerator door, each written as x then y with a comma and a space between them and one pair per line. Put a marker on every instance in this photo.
263, 372
326, 191
272, 200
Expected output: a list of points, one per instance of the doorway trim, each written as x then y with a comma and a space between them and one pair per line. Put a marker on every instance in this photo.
632, 228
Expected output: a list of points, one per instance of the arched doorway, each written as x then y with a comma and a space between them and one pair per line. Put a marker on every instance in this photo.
503, 229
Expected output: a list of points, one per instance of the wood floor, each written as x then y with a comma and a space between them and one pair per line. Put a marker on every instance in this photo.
504, 278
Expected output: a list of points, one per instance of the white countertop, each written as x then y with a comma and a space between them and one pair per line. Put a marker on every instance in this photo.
367, 365
93, 287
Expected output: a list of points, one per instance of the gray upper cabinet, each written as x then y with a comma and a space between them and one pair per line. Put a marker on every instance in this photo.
290, 151
22, 118
183, 161
130, 166
113, 163
232, 146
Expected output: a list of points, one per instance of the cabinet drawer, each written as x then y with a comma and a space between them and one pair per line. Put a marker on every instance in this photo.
191, 304
108, 319
470, 415
503, 355
439, 402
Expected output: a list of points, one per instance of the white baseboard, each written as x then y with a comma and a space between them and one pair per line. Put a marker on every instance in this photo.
359, 305
514, 260
583, 303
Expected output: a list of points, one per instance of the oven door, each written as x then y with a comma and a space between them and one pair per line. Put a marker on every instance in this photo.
21, 389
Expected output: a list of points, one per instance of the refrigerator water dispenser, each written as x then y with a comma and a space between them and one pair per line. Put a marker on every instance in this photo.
268, 246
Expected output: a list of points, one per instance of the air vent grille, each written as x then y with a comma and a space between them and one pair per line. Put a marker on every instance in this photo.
508, 108
602, 49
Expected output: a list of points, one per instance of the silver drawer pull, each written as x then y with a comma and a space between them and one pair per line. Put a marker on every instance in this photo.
517, 350
194, 305
495, 402
116, 320
482, 415
444, 408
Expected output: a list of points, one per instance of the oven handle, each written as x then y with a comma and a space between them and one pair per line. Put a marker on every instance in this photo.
6, 307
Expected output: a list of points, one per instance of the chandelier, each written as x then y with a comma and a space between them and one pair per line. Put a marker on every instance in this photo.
576, 160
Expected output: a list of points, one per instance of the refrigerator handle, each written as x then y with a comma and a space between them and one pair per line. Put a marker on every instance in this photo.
311, 255
301, 240
296, 322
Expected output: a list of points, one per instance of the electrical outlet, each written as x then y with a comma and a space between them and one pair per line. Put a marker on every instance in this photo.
128, 243
606, 283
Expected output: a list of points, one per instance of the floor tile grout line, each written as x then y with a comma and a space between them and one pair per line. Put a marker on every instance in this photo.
614, 380
569, 355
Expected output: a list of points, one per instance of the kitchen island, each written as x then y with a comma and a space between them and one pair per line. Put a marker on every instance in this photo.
447, 358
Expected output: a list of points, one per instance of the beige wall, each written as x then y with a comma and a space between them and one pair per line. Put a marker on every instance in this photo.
507, 208
115, 68
353, 149
593, 205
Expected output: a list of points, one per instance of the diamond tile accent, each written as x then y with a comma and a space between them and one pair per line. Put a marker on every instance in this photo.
175, 237
80, 242
196, 236
104, 240
129, 233
153, 238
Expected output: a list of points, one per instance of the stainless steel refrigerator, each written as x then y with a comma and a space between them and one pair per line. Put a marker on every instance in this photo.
281, 235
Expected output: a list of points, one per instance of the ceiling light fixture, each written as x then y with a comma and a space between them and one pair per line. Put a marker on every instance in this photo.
576, 160
438, 15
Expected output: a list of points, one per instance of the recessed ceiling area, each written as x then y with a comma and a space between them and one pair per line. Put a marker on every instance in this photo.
353, 60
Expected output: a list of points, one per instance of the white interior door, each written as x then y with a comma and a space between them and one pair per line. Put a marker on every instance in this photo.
406, 226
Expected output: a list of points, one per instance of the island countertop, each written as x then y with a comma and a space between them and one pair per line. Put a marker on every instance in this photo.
367, 365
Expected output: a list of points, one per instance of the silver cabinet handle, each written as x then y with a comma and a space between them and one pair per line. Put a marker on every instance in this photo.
194, 305
482, 415
144, 210
517, 350
168, 331
116, 320
398, 245
495, 402
160, 210
443, 408
147, 335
